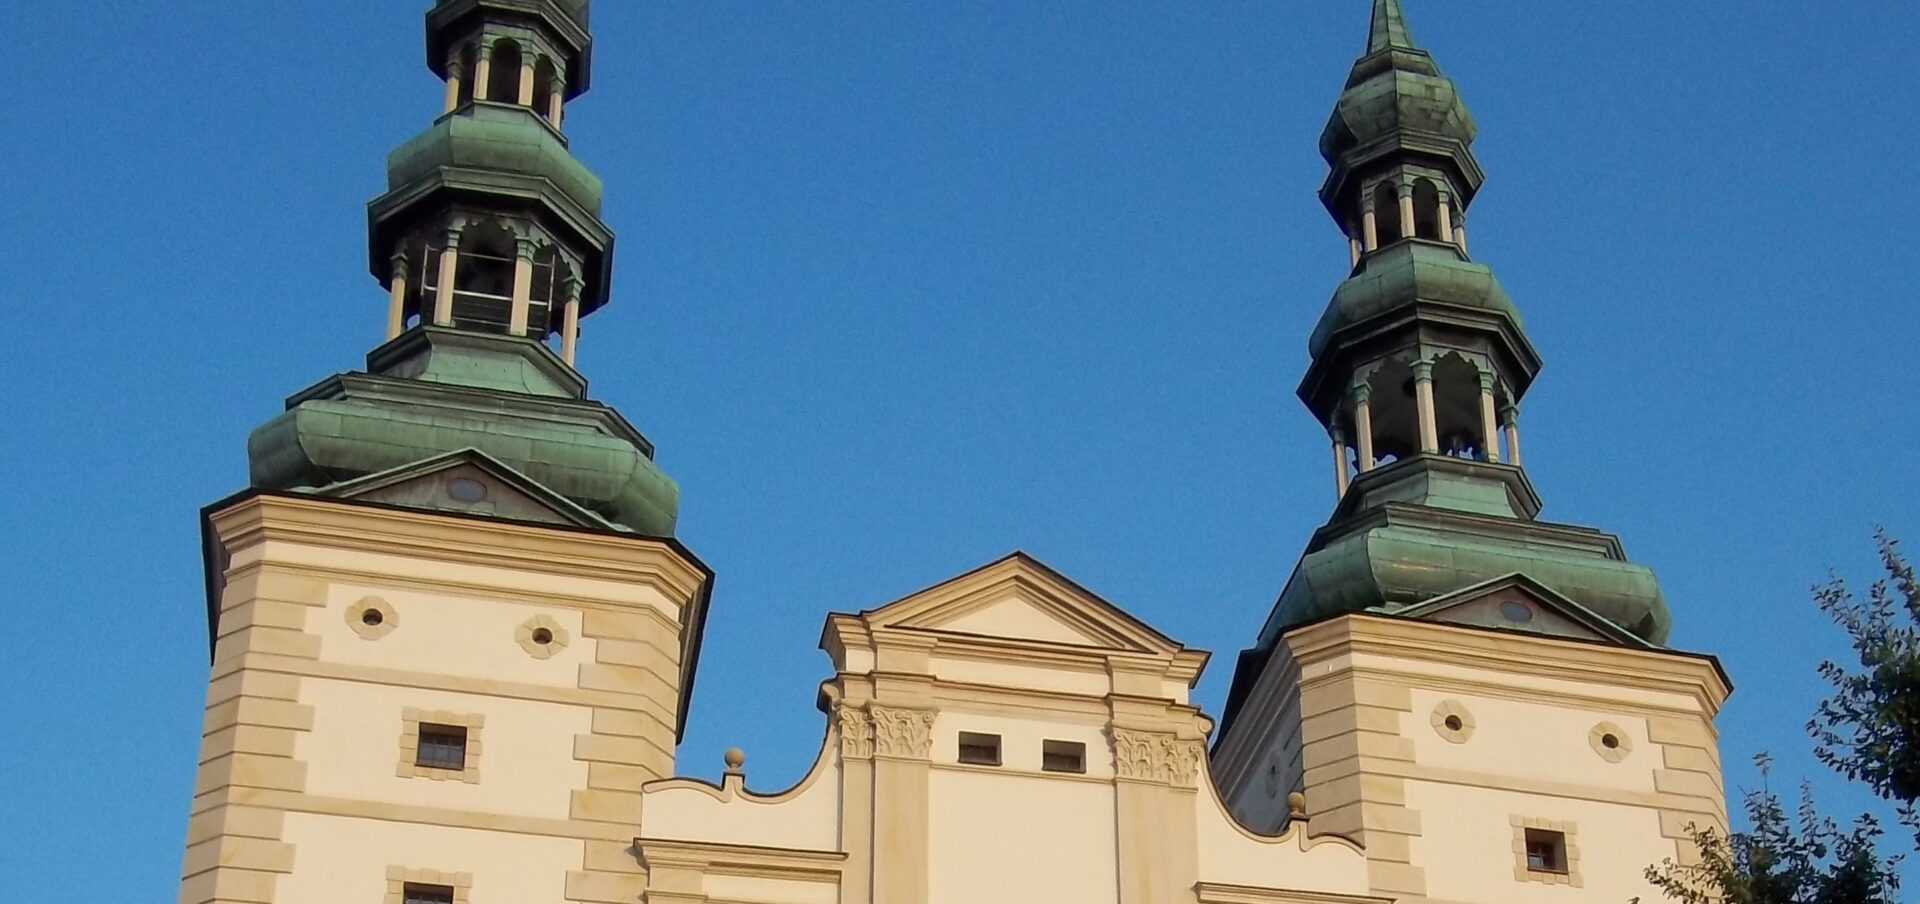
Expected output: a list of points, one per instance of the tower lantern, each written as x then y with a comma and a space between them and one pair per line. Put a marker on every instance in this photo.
489, 224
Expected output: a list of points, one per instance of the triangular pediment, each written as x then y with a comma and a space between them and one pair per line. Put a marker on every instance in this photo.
468, 482
1018, 598
1519, 603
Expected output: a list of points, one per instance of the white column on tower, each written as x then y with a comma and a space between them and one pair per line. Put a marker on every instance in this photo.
1406, 210
522, 285
528, 64
482, 71
397, 297
557, 101
1512, 415
456, 71
570, 321
1363, 425
1339, 460
1489, 422
1423, 400
443, 291
1446, 219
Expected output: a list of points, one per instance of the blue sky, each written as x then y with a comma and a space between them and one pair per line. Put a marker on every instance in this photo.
904, 286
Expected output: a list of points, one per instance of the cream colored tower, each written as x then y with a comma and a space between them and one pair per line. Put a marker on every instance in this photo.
1481, 698
452, 635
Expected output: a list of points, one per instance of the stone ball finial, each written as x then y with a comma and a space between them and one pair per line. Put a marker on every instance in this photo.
1297, 805
735, 758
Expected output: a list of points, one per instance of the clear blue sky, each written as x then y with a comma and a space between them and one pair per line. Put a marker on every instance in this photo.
903, 286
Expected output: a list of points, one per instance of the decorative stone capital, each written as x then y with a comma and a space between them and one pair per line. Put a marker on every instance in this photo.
399, 262
526, 248
456, 67
485, 53
575, 286
902, 733
1362, 392
1510, 414
1423, 371
856, 732
1487, 380
1148, 756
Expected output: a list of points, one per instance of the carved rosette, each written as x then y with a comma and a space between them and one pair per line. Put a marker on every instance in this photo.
856, 733
904, 733
1148, 756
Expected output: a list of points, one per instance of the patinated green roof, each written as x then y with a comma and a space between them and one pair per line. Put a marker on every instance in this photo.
494, 137
1395, 95
1389, 29
434, 391
1404, 273
1431, 525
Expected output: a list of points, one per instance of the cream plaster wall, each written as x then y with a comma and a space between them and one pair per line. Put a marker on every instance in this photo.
1006, 674
1022, 739
1231, 855
806, 817
1466, 847
526, 759
453, 575
345, 860
763, 890
1019, 838
464, 635
1015, 617
1532, 741
1444, 674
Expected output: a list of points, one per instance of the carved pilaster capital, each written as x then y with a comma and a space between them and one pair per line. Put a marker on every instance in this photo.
1487, 379
902, 733
526, 247
1151, 756
1362, 392
1423, 371
856, 732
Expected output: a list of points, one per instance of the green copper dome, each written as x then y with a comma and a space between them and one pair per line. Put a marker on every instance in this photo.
496, 138
1395, 91
1404, 273
433, 391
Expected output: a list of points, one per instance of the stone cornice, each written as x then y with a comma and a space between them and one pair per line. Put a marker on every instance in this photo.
1693, 675
337, 524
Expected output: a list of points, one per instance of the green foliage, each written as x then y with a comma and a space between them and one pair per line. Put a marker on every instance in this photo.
1869, 730
1798, 858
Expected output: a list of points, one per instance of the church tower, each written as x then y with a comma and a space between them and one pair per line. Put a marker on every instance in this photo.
1481, 698
452, 633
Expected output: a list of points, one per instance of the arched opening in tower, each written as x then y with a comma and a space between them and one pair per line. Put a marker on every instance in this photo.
503, 81
483, 279
1426, 210
543, 78
1386, 214
468, 58
1456, 407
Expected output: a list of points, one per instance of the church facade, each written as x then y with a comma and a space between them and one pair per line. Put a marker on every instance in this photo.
453, 635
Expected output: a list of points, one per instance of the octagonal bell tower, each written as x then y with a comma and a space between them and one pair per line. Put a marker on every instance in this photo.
452, 632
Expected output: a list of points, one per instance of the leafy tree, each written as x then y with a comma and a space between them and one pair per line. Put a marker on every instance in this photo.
1797, 858
1868, 731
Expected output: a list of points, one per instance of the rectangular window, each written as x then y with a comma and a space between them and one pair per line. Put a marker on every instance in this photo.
442, 747
1063, 756
979, 749
417, 893
1546, 851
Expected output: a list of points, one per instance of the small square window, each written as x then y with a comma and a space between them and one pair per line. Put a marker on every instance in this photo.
442, 747
979, 749
418, 893
1063, 756
1546, 851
